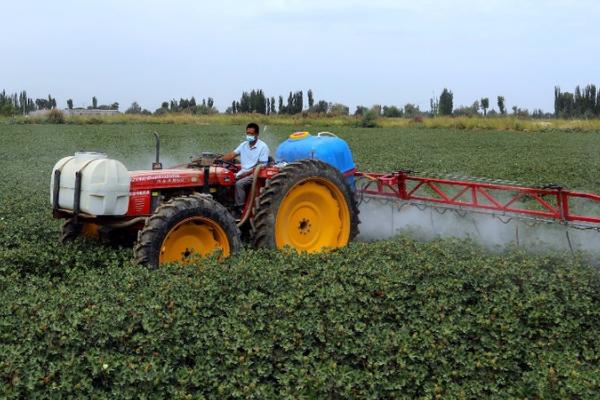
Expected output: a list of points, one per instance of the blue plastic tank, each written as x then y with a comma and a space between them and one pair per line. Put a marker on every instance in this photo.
325, 146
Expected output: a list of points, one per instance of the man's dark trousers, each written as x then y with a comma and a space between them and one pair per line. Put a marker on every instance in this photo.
241, 187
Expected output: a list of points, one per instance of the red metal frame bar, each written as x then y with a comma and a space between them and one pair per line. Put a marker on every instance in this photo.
480, 195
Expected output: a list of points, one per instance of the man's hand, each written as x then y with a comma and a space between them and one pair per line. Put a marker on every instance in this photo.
229, 156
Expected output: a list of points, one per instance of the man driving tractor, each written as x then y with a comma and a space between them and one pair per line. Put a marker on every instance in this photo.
252, 152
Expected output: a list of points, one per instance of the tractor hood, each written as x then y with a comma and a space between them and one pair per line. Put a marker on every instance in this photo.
176, 178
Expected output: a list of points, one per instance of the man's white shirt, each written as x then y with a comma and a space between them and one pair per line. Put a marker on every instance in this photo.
252, 156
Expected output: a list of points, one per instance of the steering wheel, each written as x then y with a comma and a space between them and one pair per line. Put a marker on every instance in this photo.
228, 163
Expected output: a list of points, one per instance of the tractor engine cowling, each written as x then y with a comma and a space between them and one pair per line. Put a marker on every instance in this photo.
102, 183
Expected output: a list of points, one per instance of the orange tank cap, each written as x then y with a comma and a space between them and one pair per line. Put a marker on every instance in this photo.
299, 135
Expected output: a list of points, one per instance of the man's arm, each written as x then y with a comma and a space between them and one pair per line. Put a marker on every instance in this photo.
263, 157
232, 154
229, 156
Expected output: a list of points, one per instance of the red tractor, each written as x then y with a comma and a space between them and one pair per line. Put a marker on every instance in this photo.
181, 212
307, 201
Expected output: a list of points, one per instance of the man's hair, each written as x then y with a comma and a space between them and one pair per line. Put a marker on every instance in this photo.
254, 126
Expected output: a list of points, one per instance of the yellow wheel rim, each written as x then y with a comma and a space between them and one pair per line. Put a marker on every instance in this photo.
313, 215
192, 237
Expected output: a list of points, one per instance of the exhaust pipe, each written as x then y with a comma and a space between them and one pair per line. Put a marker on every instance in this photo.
157, 164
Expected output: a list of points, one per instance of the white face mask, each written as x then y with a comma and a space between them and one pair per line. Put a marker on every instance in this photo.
250, 138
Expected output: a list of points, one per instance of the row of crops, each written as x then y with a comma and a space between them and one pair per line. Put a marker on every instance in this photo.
398, 318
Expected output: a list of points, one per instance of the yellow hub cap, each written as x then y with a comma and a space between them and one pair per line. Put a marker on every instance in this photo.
312, 216
193, 236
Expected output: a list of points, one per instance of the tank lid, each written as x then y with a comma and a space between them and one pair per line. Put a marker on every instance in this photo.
299, 135
89, 155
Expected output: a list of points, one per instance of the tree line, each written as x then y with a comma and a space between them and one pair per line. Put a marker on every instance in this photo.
256, 101
582, 103
21, 103
184, 105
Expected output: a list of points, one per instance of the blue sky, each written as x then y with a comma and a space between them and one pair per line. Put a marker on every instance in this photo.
353, 52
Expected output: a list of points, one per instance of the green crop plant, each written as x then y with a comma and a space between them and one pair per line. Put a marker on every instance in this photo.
393, 319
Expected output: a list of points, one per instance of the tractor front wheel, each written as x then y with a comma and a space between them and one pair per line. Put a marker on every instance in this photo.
307, 206
185, 227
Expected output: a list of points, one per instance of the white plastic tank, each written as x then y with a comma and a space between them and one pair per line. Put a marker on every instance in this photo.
104, 184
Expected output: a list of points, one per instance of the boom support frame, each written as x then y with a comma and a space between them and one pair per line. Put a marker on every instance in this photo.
549, 203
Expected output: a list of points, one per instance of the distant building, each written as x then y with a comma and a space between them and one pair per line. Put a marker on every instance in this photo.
86, 112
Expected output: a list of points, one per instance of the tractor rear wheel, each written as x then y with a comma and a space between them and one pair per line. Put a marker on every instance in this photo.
307, 206
71, 230
184, 227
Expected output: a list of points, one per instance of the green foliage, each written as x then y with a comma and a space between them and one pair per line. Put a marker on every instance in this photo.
394, 319
55, 116
446, 102
257, 102
368, 119
295, 103
360, 110
501, 106
582, 104
253, 102
7, 108
392, 112
411, 111
434, 105
471, 111
45, 104
134, 108
485, 104
338, 109
11, 104
322, 107
184, 106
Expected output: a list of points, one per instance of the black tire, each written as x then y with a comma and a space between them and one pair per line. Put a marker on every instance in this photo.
278, 187
71, 231
167, 217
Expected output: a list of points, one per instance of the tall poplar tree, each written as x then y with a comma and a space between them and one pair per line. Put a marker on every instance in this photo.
501, 105
485, 104
446, 102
